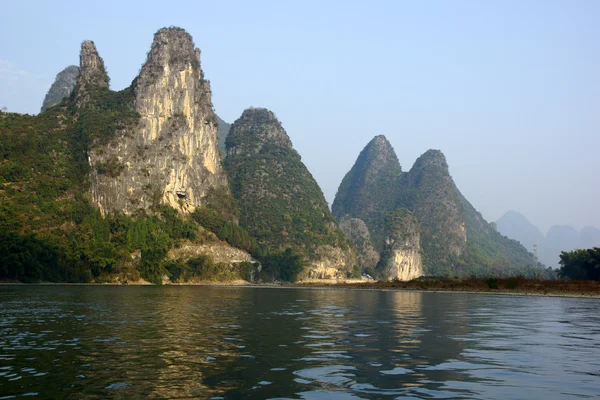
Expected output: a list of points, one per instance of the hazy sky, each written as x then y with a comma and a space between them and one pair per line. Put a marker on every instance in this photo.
508, 90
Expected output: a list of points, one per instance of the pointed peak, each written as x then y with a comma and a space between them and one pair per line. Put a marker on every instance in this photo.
255, 128
92, 74
91, 66
172, 51
380, 139
63, 85
379, 144
379, 151
260, 115
177, 39
432, 159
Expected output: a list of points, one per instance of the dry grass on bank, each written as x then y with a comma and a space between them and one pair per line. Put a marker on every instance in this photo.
516, 285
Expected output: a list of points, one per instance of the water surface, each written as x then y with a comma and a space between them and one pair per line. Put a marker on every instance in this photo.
87, 342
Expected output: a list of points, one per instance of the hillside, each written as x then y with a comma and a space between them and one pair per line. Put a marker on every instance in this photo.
454, 238
101, 185
281, 204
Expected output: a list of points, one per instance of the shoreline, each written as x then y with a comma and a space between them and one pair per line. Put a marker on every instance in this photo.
374, 286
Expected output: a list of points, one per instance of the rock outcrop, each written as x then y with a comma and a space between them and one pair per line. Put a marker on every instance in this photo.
357, 231
220, 253
62, 87
171, 155
281, 204
92, 74
401, 258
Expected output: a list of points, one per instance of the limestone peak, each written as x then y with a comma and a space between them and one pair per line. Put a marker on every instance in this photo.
92, 73
370, 188
432, 159
62, 87
255, 128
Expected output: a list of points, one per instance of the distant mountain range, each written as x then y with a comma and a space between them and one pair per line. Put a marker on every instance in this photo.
559, 238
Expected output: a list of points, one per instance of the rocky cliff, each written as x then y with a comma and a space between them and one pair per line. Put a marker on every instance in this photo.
401, 257
62, 87
170, 155
358, 232
92, 75
281, 203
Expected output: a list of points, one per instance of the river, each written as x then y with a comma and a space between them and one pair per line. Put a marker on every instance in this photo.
88, 342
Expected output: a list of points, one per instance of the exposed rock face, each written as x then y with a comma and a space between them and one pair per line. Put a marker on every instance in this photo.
281, 203
358, 232
92, 74
370, 190
220, 253
171, 156
401, 258
62, 87
430, 193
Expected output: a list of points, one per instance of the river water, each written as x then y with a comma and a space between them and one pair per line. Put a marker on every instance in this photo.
86, 342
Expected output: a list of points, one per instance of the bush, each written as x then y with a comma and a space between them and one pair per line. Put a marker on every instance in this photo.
492, 283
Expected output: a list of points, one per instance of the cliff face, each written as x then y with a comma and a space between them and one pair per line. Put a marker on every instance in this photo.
401, 258
281, 203
92, 75
357, 231
62, 87
171, 155
370, 189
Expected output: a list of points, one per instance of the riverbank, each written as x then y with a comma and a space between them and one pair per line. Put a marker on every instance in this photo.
498, 286
502, 286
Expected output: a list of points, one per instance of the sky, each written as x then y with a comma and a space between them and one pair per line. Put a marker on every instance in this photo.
508, 90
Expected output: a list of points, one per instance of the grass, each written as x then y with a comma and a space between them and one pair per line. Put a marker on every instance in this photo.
517, 285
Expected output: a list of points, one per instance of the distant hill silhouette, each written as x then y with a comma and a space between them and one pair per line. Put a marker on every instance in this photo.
559, 237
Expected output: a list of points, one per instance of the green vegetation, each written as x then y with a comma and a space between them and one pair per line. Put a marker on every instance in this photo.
456, 241
371, 189
49, 229
580, 264
280, 203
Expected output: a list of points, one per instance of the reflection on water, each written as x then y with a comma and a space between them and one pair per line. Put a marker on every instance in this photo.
218, 342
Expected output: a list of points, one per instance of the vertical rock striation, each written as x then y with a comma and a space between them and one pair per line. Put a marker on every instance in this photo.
357, 231
401, 257
171, 156
62, 87
92, 74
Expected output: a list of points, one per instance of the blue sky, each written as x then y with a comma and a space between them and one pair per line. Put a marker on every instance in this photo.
508, 90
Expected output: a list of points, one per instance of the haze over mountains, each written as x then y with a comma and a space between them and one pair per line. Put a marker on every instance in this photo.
558, 238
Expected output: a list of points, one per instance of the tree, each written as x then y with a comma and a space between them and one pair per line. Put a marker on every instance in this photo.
580, 264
